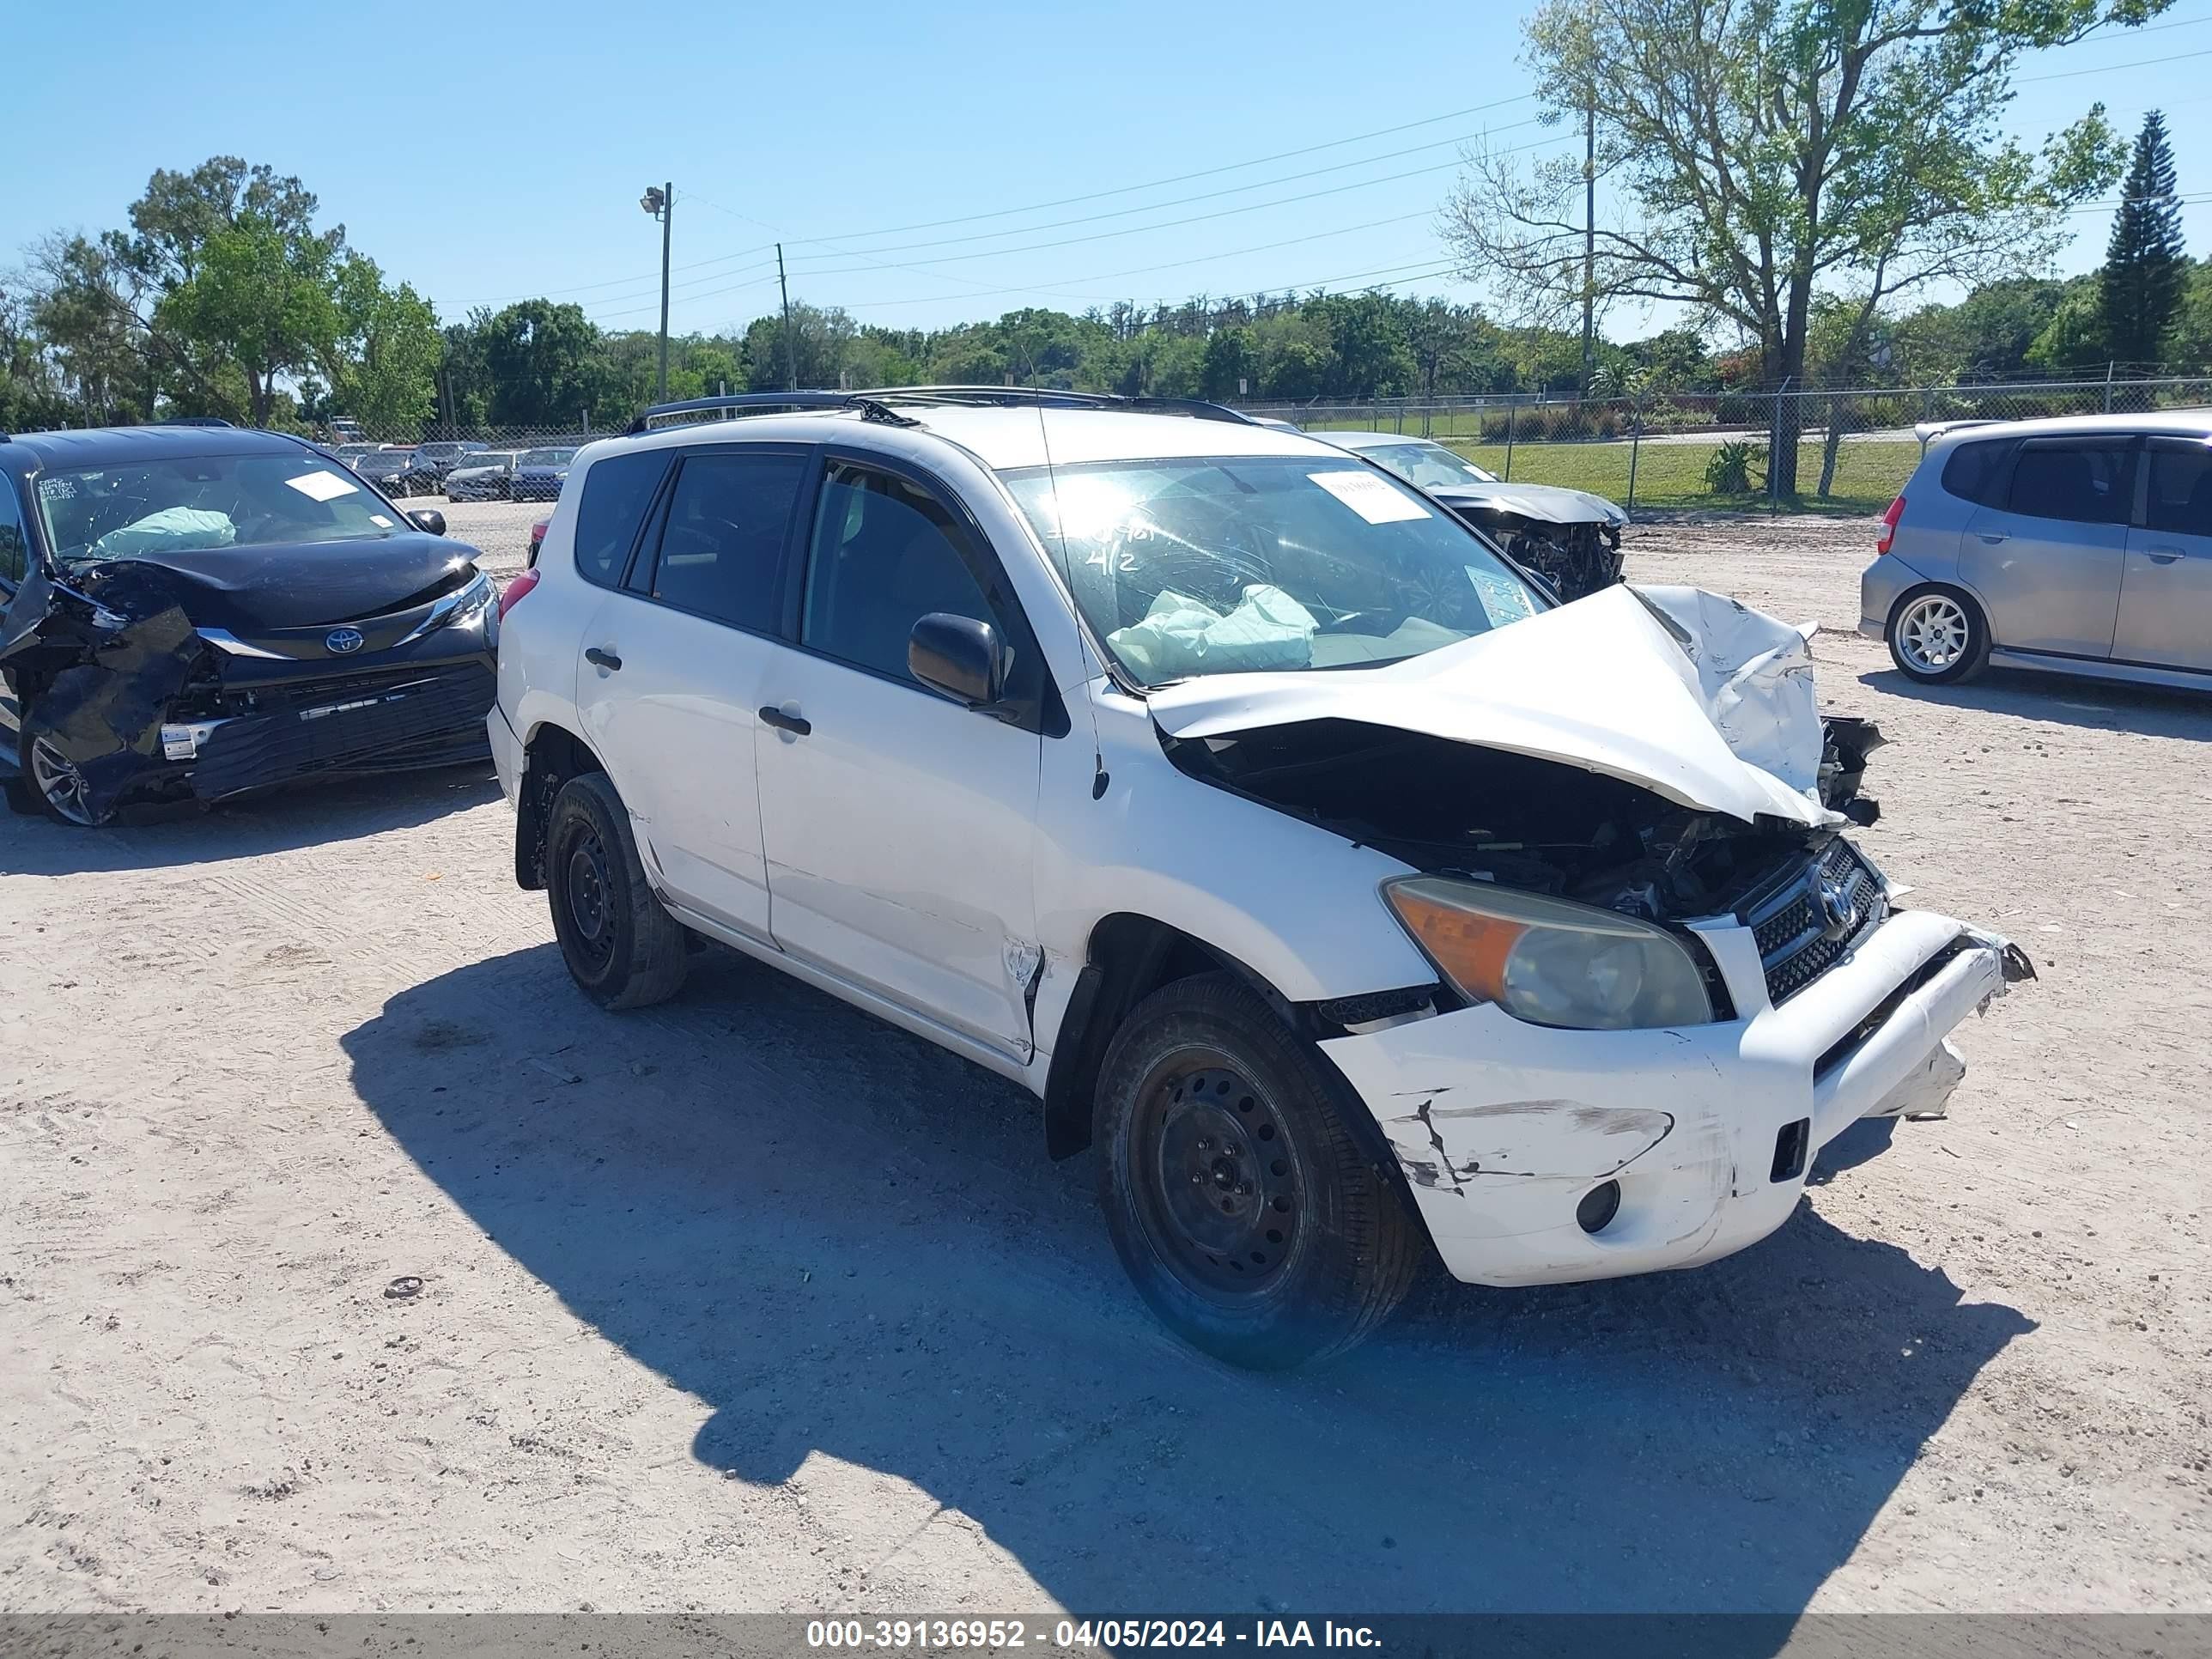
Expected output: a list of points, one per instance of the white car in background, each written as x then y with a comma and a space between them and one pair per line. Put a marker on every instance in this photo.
1344, 894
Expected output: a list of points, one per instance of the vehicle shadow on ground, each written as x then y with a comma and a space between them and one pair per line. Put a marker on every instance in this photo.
851, 1246
305, 814
2147, 711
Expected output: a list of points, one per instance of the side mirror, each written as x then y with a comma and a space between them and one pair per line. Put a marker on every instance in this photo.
958, 656
429, 519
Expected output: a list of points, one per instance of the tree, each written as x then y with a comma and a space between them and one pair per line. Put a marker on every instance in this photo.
2076, 336
2144, 263
1762, 151
261, 299
538, 362
383, 373
241, 283
2191, 346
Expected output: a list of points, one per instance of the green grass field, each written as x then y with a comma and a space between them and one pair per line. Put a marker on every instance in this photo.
1673, 475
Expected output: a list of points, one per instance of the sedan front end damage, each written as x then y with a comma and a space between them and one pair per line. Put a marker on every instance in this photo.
123, 700
204, 612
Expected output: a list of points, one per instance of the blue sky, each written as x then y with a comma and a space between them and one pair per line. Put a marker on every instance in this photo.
485, 153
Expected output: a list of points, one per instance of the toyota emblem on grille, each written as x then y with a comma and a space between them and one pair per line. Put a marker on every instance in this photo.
1836, 910
343, 641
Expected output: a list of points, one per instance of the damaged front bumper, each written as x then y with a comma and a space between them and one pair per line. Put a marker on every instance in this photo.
1502, 1129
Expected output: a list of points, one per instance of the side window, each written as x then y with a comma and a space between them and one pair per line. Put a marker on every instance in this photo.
617, 491
885, 554
15, 551
2180, 487
721, 549
2086, 480
1976, 472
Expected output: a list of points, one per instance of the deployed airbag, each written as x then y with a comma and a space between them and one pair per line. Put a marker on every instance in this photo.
173, 530
1180, 635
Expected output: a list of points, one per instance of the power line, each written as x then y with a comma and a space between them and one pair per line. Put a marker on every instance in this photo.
2113, 68
1056, 287
1182, 178
1184, 201
1036, 207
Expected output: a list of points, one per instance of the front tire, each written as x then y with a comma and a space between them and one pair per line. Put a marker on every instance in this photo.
1238, 1198
1938, 637
49, 781
622, 949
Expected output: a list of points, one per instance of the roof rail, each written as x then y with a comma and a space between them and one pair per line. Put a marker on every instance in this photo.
1056, 397
737, 404
192, 420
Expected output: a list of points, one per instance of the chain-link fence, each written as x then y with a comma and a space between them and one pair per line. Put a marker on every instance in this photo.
1854, 448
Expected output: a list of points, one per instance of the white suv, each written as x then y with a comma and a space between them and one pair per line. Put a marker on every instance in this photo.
1288, 842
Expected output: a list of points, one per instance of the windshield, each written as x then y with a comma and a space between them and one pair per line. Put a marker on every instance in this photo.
549, 458
470, 463
1243, 563
1430, 466
148, 508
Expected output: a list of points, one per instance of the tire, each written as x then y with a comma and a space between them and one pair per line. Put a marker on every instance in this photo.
1206, 1102
1938, 637
622, 949
47, 784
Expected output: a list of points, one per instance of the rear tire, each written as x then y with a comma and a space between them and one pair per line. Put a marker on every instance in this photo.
623, 950
1938, 637
1238, 1198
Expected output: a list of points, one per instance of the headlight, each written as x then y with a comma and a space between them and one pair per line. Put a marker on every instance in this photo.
1551, 961
474, 598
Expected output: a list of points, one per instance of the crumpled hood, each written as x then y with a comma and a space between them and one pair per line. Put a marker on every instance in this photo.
1696, 697
255, 589
1547, 503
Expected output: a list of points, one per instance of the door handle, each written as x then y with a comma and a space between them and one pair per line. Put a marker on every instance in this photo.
798, 725
2163, 555
605, 659
1993, 537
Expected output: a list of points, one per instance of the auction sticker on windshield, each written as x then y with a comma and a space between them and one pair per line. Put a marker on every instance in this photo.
320, 486
1373, 499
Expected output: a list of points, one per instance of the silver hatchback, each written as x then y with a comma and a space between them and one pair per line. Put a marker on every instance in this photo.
2080, 546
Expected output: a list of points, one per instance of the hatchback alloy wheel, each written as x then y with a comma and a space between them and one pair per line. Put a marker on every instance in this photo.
1933, 634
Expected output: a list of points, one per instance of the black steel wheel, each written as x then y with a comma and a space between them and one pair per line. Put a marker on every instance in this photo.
1217, 1182
1248, 1212
622, 948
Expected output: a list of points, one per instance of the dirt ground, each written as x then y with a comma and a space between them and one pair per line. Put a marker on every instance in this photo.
350, 1260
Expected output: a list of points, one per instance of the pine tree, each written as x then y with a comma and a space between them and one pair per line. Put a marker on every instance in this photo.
2144, 267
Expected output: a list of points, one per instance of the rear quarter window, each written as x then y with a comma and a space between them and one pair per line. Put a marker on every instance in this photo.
618, 491
1976, 472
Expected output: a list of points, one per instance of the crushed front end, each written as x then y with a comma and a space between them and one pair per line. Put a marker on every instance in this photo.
1666, 974
122, 692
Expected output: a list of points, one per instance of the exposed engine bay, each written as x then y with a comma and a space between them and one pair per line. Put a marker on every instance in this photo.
1575, 559
1449, 807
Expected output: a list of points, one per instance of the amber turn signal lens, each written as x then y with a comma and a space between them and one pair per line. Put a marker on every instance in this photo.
1469, 947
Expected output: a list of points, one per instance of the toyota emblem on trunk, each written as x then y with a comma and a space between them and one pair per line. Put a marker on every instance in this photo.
343, 641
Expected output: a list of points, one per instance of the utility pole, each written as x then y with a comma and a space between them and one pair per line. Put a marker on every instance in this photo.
659, 200
1589, 232
790, 345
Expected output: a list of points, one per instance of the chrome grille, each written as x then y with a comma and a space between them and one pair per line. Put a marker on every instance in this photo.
1816, 919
